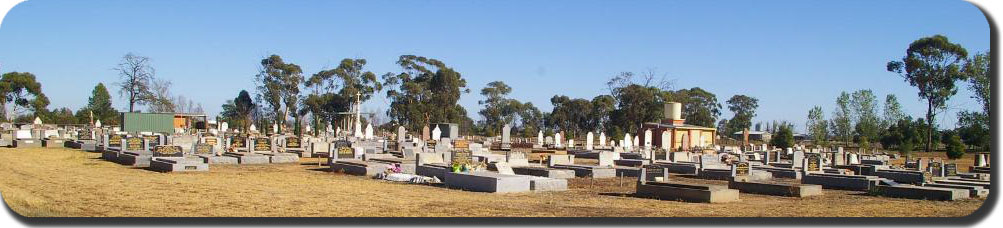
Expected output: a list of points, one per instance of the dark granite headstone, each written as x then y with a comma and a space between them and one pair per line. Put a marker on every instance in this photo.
134, 144
293, 142
262, 144
115, 141
203, 148
168, 151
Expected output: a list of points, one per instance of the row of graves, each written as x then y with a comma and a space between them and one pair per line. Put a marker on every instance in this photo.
804, 172
35, 135
447, 159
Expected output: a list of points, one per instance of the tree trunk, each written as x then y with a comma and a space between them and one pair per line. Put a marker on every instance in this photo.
929, 125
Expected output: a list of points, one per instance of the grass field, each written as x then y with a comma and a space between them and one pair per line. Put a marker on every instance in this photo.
66, 182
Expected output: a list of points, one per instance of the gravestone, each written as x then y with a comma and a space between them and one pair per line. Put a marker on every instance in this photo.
293, 143
85, 134
602, 139
980, 160
436, 133
636, 142
205, 149
401, 132
539, 138
950, 169
344, 152
262, 144
937, 168
461, 157
588, 141
506, 141
425, 133
504, 168
114, 141
666, 141
153, 140
740, 169
812, 162
369, 131
647, 139
135, 144
626, 142
797, 159
238, 142
168, 151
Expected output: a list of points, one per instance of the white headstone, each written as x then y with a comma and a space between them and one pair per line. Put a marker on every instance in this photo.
222, 127
22, 134
557, 139
666, 141
588, 141
369, 132
571, 143
626, 142
253, 128
97, 123
436, 133
401, 133
539, 138
636, 142
647, 139
37, 121
358, 130
506, 134
275, 128
602, 139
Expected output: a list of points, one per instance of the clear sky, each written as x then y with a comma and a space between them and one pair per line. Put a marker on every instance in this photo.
791, 55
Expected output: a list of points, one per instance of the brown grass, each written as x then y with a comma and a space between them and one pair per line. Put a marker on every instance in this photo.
65, 182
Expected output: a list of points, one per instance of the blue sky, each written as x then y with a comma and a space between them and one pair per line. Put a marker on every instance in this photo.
791, 55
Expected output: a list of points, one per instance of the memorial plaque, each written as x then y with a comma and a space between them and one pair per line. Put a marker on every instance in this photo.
238, 142
461, 144
85, 134
346, 153
168, 151
742, 169
950, 169
937, 169
293, 142
134, 143
211, 141
651, 173
154, 140
813, 162
115, 141
462, 157
262, 144
203, 149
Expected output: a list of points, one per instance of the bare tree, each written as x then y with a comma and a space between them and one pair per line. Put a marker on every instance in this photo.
159, 97
136, 74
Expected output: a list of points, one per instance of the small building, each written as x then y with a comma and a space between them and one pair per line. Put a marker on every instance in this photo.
682, 136
161, 122
761, 136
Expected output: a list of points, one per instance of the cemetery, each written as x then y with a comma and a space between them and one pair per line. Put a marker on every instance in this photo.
682, 165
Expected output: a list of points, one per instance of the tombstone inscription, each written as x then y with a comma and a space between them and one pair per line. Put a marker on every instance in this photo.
168, 151
134, 143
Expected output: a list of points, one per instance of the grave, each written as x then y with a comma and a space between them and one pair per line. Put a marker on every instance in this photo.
172, 159
920, 192
24, 139
698, 193
842, 182
210, 155
776, 188
484, 181
345, 161
136, 152
567, 162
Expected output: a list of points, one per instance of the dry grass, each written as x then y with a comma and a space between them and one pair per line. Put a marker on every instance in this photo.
65, 182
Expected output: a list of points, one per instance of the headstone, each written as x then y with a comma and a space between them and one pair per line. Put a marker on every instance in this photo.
401, 132
740, 169
636, 142
275, 128
135, 144
97, 123
436, 134
504, 168
539, 138
238, 142
602, 139
114, 141
85, 133
345, 153
262, 144
252, 129
588, 141
293, 143
980, 160
153, 140
647, 139
37, 121
797, 159
204, 149
626, 141
937, 168
168, 151
223, 127
950, 169
812, 162
666, 141
557, 140
425, 133
506, 135
369, 132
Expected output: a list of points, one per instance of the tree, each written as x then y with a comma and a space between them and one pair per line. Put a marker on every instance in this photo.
974, 126
278, 86
700, 106
60, 116
932, 65
892, 111
159, 97
99, 105
818, 126
744, 108
532, 120
427, 91
864, 106
136, 73
498, 109
842, 122
239, 111
784, 137
21, 89
955, 149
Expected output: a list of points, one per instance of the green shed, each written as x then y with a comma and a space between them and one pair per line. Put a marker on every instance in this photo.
152, 122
